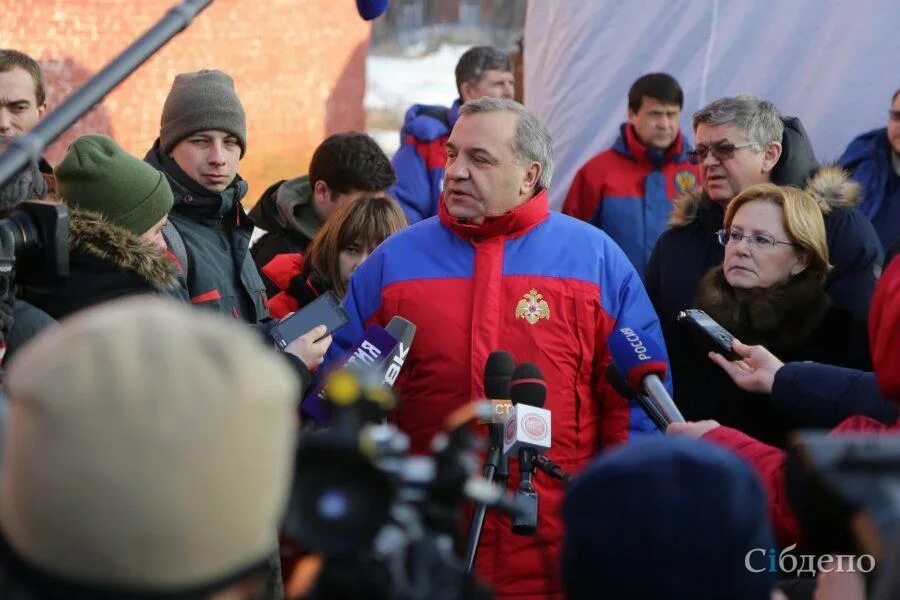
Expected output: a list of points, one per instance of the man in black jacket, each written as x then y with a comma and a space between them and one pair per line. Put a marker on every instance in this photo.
202, 138
742, 141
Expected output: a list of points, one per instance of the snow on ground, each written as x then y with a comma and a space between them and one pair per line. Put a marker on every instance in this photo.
394, 83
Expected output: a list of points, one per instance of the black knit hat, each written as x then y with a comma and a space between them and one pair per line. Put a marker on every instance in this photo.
202, 101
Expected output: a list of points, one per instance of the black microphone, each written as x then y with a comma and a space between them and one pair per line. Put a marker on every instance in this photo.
615, 378
497, 372
371, 9
527, 432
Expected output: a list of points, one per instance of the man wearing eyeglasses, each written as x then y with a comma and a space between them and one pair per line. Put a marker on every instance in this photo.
874, 160
742, 141
627, 190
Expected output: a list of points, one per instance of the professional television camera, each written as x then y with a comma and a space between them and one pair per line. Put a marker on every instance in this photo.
381, 522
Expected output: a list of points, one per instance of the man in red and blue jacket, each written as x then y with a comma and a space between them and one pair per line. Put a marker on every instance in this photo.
481, 72
495, 271
627, 190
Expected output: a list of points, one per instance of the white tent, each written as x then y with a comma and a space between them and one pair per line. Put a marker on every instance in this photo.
833, 63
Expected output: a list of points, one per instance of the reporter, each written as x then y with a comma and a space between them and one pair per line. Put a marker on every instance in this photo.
346, 239
768, 291
812, 394
769, 462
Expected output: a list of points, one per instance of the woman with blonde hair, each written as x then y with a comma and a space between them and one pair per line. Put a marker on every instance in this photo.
768, 291
347, 238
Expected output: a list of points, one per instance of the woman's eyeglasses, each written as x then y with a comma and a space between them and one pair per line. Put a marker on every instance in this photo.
757, 240
721, 150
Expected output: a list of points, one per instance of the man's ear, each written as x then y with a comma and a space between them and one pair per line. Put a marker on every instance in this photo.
321, 193
41, 110
771, 155
531, 178
465, 92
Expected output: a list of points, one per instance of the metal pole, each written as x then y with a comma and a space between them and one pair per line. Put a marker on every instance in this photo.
29, 147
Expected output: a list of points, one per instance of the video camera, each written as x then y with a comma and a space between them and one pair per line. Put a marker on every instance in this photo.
385, 523
35, 236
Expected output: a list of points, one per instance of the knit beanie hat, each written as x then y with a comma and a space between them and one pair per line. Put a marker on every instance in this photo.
667, 518
884, 331
148, 446
202, 101
97, 175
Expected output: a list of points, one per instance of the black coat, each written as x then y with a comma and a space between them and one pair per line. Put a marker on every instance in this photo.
216, 232
105, 262
28, 321
689, 249
794, 320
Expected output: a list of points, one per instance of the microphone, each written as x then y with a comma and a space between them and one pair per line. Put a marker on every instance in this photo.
527, 432
371, 9
614, 377
404, 331
497, 372
368, 354
636, 356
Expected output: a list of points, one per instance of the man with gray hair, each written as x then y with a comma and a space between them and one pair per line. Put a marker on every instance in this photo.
498, 270
742, 141
482, 72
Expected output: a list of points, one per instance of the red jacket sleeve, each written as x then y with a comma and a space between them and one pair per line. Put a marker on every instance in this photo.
282, 304
584, 195
768, 462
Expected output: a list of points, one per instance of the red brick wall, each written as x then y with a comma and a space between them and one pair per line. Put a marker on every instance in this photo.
298, 66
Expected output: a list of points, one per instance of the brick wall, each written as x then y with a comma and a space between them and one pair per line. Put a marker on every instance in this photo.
298, 66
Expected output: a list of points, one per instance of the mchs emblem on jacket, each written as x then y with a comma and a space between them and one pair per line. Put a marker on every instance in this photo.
532, 307
685, 180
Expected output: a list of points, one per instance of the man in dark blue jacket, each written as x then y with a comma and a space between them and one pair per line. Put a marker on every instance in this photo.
874, 161
481, 72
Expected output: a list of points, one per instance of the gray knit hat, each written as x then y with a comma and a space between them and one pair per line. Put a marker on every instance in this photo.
97, 175
147, 445
202, 101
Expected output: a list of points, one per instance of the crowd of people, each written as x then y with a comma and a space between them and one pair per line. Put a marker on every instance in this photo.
148, 442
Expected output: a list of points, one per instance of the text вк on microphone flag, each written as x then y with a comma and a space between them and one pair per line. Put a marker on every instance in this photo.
370, 352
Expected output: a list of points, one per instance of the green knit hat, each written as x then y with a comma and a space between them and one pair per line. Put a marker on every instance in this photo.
202, 101
97, 175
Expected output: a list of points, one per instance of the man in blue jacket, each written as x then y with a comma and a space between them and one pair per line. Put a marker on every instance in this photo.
874, 161
481, 72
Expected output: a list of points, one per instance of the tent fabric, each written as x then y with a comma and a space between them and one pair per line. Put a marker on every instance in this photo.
831, 63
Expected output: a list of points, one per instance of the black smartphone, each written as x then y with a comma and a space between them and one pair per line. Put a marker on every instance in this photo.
325, 310
708, 333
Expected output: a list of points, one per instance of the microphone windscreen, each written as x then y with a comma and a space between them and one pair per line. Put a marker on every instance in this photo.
527, 385
636, 355
497, 372
615, 379
371, 9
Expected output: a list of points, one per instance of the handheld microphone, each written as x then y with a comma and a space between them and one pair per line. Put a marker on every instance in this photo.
614, 377
371, 9
636, 356
527, 432
368, 354
404, 331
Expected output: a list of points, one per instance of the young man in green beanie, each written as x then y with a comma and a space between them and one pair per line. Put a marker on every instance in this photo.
202, 138
117, 205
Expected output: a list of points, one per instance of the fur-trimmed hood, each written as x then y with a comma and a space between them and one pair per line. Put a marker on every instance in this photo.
831, 186
94, 235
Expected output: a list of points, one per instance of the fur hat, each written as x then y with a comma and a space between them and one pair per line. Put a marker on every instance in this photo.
148, 446
666, 518
202, 101
98, 176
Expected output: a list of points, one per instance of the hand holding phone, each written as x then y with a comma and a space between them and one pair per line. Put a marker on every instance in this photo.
325, 310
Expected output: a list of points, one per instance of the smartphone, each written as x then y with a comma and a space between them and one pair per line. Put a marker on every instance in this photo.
708, 333
325, 310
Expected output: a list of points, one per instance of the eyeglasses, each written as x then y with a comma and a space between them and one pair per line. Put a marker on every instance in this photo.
758, 240
721, 150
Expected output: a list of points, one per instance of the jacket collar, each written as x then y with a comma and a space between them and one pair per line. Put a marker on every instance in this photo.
629, 145
512, 224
